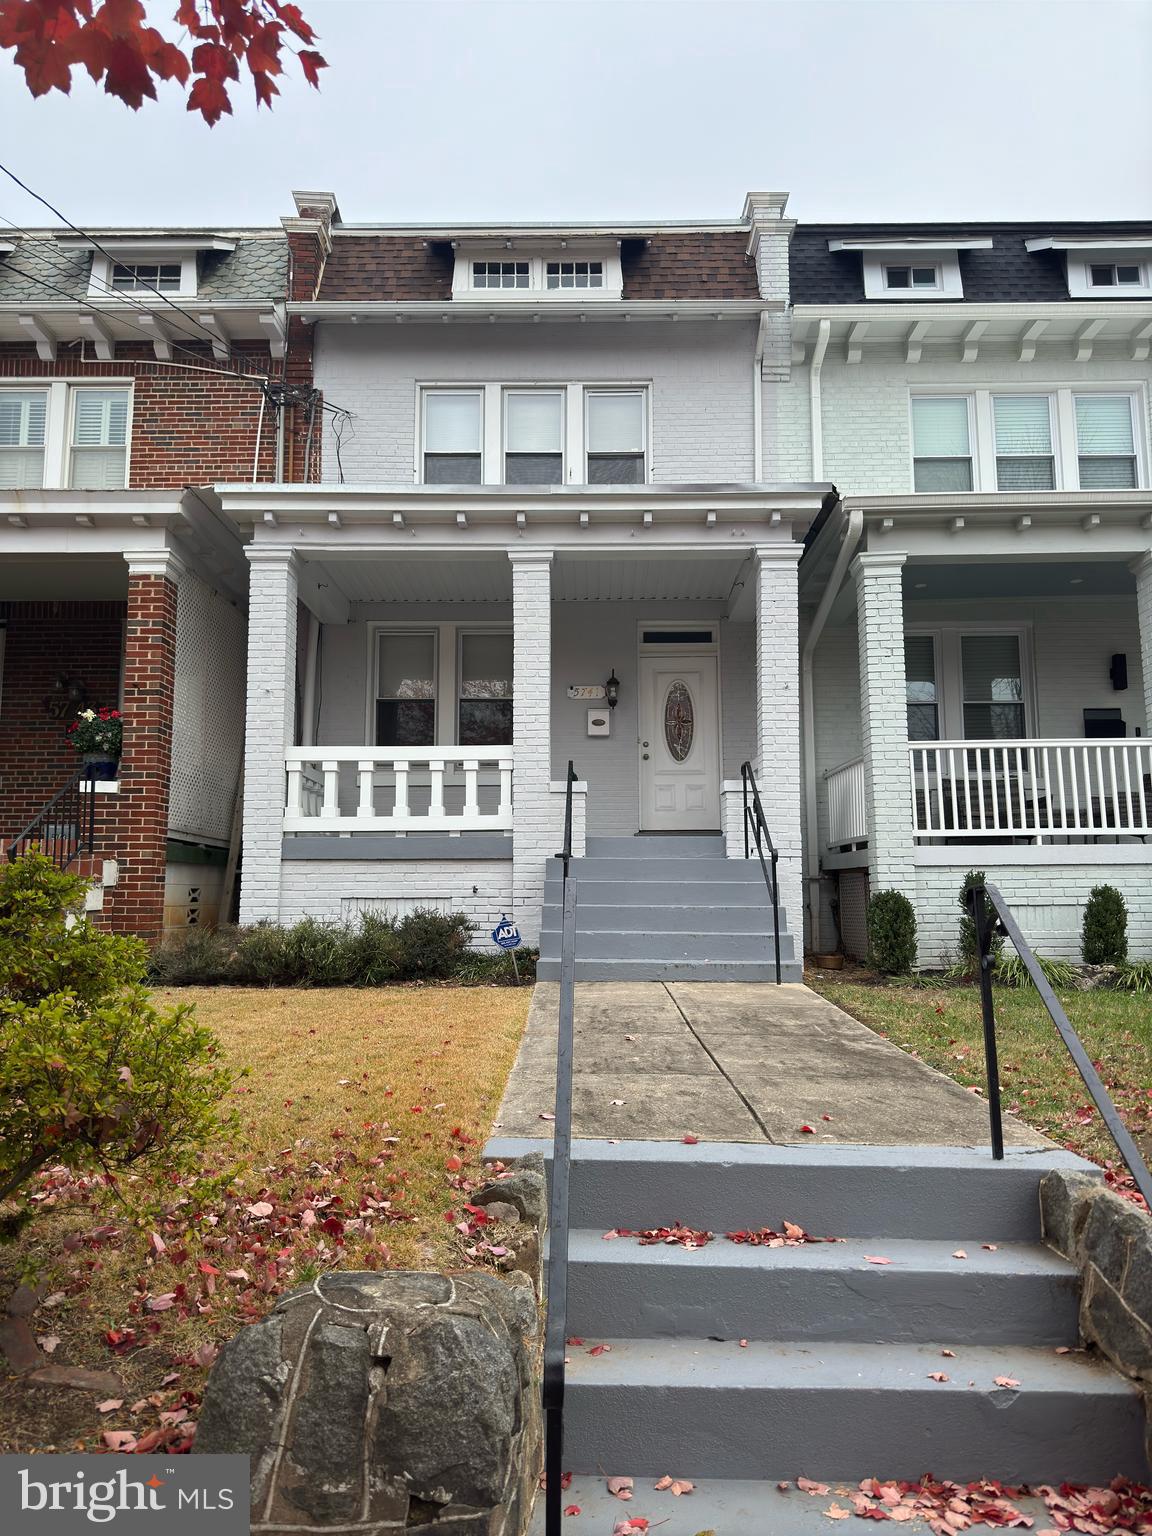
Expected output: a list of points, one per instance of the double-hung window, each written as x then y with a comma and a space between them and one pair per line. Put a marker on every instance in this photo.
1025, 460
441, 685
533, 437
453, 436
1105, 442
942, 443
965, 684
23, 417
993, 686
99, 439
614, 431
484, 710
920, 687
406, 688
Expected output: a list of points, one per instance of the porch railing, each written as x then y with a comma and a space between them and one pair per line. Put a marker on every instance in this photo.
1032, 789
847, 808
65, 828
398, 789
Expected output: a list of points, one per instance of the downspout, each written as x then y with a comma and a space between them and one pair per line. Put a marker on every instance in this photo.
758, 398
815, 411
853, 530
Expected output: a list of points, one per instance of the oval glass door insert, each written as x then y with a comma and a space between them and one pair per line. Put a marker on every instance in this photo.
679, 721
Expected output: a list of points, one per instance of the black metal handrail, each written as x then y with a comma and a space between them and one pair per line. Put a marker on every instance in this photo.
1000, 920
556, 1326
65, 827
756, 830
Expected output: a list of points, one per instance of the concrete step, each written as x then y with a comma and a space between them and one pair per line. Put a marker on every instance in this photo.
673, 970
593, 891
692, 948
696, 1407
623, 918
646, 867
1016, 1294
690, 846
947, 1194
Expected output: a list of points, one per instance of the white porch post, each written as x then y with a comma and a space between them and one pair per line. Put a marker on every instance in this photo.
1143, 571
883, 719
535, 830
269, 727
778, 715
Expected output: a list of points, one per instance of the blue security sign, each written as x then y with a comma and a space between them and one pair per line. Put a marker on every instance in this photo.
506, 934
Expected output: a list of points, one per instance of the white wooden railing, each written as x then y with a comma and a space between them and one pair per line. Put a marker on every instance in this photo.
1032, 789
847, 809
398, 789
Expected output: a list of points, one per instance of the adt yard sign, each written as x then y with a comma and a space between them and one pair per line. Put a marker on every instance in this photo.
506, 934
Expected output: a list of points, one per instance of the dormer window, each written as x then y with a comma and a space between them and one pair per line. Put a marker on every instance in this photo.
144, 264
1107, 268
1110, 274
912, 277
912, 269
146, 277
528, 270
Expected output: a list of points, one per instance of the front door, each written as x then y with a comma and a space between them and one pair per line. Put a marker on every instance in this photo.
679, 741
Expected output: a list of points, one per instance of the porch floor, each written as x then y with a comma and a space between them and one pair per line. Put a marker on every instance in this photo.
735, 1061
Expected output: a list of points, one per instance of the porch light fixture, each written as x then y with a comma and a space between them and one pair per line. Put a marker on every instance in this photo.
612, 690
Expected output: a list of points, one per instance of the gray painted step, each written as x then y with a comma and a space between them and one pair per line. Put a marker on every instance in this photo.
623, 918
700, 1408
593, 891
642, 867
950, 1194
673, 970
695, 948
1018, 1294
707, 845
731, 1507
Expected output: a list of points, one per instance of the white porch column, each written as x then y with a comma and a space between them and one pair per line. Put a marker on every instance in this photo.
536, 831
883, 719
778, 716
1143, 572
269, 727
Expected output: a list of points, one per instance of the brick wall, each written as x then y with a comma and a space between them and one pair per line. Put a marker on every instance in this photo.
43, 642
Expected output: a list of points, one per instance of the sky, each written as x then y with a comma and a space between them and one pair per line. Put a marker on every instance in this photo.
633, 109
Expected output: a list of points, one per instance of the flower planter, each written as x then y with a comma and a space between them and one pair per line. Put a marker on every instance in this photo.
104, 768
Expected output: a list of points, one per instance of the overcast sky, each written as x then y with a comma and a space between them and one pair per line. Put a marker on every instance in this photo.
476, 109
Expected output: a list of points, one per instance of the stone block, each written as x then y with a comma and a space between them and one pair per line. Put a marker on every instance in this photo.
1111, 1227
1064, 1201
523, 1188
1106, 1322
383, 1402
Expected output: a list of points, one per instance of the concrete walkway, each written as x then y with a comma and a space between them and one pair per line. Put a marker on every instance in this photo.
734, 1061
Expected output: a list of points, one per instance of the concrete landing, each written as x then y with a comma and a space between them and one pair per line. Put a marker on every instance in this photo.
732, 1062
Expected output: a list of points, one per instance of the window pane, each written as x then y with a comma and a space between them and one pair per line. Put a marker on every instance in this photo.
534, 422
21, 468
993, 686
1023, 424
405, 666
943, 475
1022, 474
485, 722
995, 722
616, 469
1128, 275
451, 469
405, 722
486, 666
533, 468
940, 426
22, 419
1108, 474
920, 687
897, 277
1103, 274
100, 418
453, 421
98, 469
1104, 424
615, 422
924, 277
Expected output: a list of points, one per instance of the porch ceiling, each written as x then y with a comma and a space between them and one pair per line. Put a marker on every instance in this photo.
924, 582
59, 579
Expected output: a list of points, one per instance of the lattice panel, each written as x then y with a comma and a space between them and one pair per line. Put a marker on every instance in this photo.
208, 725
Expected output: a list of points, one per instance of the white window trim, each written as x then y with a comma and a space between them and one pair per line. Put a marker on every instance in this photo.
537, 290
948, 282
58, 424
946, 638
100, 281
1065, 450
492, 437
446, 661
1081, 286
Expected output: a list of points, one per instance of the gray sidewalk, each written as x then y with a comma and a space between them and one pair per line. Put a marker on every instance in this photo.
734, 1061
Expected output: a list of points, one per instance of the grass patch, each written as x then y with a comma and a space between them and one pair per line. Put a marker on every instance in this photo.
941, 1025
362, 1117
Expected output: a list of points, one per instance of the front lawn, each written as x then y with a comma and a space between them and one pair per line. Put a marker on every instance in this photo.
941, 1025
361, 1121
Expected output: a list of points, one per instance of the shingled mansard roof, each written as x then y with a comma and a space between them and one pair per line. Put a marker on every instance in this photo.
52, 259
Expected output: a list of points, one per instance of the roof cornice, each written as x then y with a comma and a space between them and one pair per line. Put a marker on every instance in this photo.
353, 311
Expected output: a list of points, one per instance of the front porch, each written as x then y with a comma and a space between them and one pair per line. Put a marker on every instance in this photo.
433, 679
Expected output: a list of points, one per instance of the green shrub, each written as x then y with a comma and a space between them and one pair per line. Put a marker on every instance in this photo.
376, 955
198, 957
91, 1074
1010, 971
432, 944
969, 950
1134, 976
891, 933
1104, 936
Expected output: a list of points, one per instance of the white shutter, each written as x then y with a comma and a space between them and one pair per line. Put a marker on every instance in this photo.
22, 419
100, 418
452, 421
534, 422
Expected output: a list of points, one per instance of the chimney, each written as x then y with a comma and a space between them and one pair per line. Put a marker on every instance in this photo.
310, 241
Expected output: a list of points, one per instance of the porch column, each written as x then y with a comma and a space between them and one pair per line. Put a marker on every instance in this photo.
778, 716
536, 830
270, 726
883, 719
1143, 572
136, 903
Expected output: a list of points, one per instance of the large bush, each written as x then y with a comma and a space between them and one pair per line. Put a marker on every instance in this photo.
424, 945
891, 933
91, 1074
1104, 936
966, 938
